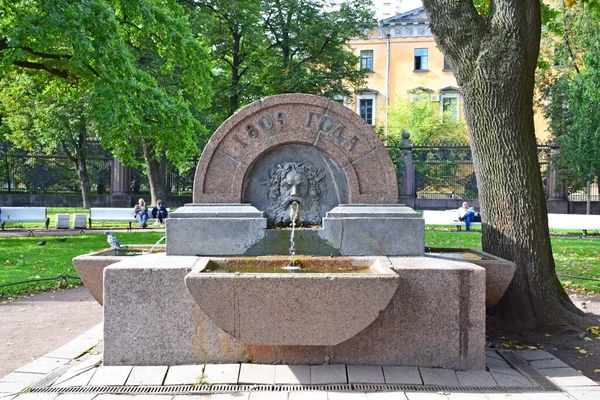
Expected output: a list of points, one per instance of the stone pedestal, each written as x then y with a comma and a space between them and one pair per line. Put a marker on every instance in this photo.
79, 221
241, 229
62, 221
436, 318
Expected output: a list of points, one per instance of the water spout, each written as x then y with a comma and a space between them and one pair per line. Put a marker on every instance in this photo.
294, 210
156, 244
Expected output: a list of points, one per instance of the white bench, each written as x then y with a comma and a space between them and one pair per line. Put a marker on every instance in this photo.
19, 215
98, 214
574, 221
448, 218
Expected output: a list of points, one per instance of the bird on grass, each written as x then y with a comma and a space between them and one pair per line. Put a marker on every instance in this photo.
62, 239
112, 240
42, 243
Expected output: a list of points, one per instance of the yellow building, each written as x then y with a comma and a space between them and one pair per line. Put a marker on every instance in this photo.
404, 58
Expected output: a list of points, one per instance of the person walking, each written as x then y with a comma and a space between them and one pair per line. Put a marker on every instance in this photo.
141, 213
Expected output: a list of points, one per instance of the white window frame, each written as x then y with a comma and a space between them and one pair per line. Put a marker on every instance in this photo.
450, 95
371, 67
367, 96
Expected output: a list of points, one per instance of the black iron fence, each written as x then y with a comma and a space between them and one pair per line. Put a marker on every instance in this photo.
30, 173
439, 171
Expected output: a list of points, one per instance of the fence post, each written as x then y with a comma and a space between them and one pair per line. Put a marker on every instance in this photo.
120, 178
556, 192
407, 190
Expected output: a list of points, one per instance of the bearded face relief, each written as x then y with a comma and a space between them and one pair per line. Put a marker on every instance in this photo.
294, 182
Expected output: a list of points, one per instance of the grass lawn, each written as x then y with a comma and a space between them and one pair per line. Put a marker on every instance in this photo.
21, 259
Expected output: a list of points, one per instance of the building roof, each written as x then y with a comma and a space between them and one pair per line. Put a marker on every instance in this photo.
410, 17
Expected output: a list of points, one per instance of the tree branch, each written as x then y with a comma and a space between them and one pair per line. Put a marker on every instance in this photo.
33, 65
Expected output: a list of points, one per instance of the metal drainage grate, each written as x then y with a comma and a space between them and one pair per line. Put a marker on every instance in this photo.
523, 367
207, 389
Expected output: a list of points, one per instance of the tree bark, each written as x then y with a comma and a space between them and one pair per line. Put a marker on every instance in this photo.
79, 159
494, 60
155, 181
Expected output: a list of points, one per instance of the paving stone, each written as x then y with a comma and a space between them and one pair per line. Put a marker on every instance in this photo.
476, 378
76, 396
531, 355
75, 378
226, 396
268, 396
402, 375
493, 354
585, 394
147, 375
113, 397
328, 374
506, 396
110, 376
386, 396
346, 396
545, 364
257, 374
322, 395
439, 377
466, 396
292, 374
75, 348
365, 374
37, 396
565, 377
222, 373
548, 396
22, 377
498, 365
184, 374
43, 365
425, 396
153, 397
510, 379
13, 387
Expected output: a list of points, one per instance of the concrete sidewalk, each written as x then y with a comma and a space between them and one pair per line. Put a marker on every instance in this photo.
75, 371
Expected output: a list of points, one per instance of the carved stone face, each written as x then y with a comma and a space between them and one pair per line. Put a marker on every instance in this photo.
293, 182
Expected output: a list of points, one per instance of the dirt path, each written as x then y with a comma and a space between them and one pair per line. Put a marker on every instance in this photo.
32, 326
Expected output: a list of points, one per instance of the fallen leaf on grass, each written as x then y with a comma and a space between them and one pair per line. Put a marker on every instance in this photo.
597, 371
547, 334
582, 351
594, 330
587, 339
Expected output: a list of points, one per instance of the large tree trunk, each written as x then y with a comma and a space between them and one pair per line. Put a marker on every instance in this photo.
155, 181
494, 61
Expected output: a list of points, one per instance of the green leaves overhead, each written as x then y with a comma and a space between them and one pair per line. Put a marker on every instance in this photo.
138, 63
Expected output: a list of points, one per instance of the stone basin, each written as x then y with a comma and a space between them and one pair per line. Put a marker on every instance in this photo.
90, 267
264, 305
498, 271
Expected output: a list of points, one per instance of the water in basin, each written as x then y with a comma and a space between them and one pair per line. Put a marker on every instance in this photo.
276, 265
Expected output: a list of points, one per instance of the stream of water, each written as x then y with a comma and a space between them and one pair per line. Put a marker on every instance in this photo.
294, 209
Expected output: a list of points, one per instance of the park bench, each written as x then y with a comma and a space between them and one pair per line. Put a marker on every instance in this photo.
448, 217
98, 214
20, 215
581, 222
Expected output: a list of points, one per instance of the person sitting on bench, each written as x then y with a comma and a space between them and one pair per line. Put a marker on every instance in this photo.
467, 215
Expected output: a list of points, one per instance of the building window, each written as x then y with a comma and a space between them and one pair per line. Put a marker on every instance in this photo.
421, 59
366, 59
366, 110
447, 66
449, 107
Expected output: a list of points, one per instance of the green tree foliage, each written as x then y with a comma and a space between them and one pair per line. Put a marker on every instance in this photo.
135, 62
570, 86
268, 47
421, 117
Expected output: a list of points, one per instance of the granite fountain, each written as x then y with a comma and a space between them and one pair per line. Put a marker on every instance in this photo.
367, 292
